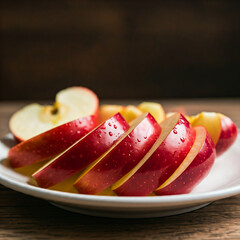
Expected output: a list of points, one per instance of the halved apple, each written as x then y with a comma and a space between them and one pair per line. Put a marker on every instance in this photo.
82, 153
221, 129
121, 157
71, 103
194, 167
50, 143
168, 152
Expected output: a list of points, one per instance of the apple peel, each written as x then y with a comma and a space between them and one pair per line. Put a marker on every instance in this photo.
50, 143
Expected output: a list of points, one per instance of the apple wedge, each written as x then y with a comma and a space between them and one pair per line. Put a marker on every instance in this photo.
107, 111
194, 168
228, 134
121, 157
211, 121
168, 152
71, 103
82, 153
130, 112
221, 128
155, 109
50, 143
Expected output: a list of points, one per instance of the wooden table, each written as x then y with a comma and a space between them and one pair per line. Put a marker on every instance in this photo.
25, 217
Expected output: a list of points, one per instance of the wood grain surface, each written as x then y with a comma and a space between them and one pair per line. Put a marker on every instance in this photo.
25, 217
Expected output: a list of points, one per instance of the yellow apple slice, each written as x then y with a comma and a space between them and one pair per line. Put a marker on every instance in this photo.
106, 111
130, 112
155, 109
211, 121
70, 104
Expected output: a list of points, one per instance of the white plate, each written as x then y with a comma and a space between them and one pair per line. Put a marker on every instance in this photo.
223, 181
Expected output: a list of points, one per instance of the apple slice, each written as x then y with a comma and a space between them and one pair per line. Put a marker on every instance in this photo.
155, 109
221, 129
107, 111
228, 134
121, 157
50, 143
161, 161
82, 153
211, 121
194, 168
71, 103
131, 112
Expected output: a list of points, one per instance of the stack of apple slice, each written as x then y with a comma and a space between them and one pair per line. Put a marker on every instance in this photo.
155, 154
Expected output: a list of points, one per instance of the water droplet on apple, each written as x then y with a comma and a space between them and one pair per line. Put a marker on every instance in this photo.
109, 124
115, 126
138, 140
175, 131
110, 133
182, 139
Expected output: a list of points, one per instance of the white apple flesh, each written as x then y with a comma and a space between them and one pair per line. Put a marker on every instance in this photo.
71, 103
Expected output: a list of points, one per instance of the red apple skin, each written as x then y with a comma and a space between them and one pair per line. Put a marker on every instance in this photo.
81, 154
50, 143
195, 172
228, 135
162, 163
121, 159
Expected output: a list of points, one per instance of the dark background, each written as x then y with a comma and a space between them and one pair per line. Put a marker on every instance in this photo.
120, 49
